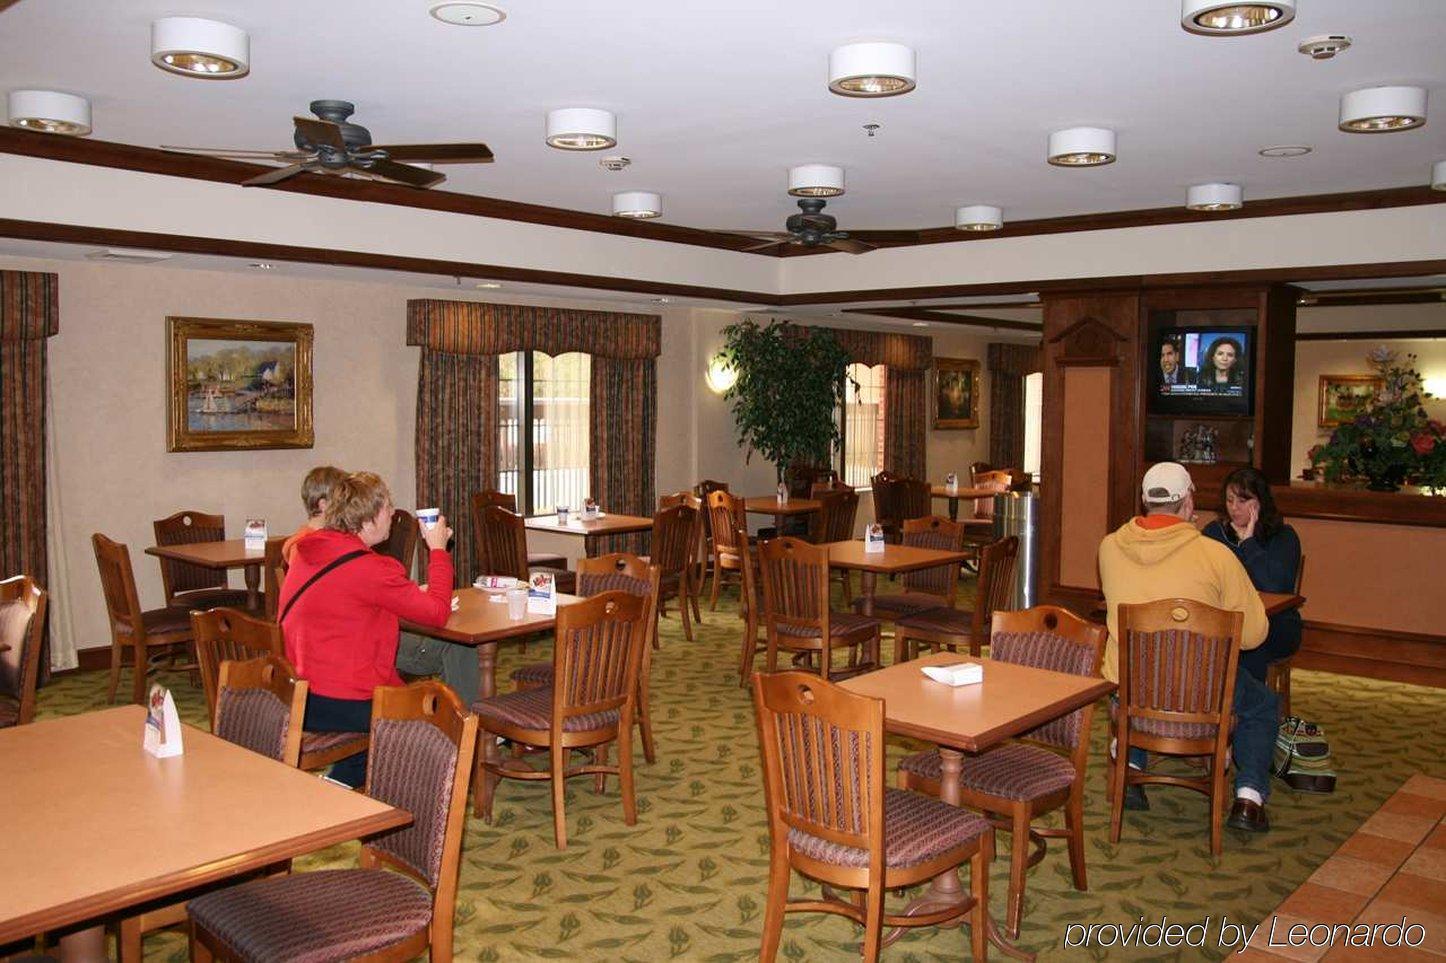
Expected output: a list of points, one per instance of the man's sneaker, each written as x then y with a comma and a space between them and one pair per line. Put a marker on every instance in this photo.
1135, 798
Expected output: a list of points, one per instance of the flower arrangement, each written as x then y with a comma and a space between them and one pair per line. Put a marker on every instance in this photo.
1392, 441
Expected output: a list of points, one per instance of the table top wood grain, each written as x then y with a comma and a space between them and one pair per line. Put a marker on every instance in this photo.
94, 824
1011, 700
477, 619
769, 505
610, 524
893, 559
232, 553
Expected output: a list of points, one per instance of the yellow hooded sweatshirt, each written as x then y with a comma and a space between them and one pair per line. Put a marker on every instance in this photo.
1152, 558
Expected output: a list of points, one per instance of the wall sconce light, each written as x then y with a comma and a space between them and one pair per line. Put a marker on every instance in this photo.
721, 375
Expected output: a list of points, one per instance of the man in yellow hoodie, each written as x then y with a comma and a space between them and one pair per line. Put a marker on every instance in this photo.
1162, 555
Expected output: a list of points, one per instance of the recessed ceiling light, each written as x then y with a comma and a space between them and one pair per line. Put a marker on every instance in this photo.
921, 324
1214, 197
1285, 150
1323, 47
1231, 17
581, 128
1438, 175
978, 217
49, 111
1082, 147
614, 163
815, 180
1380, 110
487, 285
193, 47
468, 14
871, 70
639, 205
262, 265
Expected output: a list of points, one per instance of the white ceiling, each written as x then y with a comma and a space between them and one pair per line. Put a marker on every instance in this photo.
715, 101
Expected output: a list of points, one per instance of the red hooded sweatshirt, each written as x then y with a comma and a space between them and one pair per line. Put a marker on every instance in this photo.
341, 635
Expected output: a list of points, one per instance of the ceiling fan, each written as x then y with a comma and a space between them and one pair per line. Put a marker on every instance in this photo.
330, 144
811, 228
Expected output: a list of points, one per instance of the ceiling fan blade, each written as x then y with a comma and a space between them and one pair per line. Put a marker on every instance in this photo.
851, 245
286, 155
404, 173
761, 235
884, 237
320, 132
438, 153
768, 246
272, 177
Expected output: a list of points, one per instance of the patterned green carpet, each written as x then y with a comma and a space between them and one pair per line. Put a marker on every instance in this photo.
688, 882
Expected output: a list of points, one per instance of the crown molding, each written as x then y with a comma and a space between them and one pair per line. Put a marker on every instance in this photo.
934, 316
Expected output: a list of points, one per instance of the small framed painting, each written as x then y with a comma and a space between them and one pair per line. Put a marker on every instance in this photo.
238, 385
1343, 397
956, 393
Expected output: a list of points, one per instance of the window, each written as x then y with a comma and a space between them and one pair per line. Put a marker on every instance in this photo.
862, 421
1033, 421
547, 466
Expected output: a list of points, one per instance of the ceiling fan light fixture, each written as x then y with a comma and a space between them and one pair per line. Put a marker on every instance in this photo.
49, 111
466, 14
638, 205
1381, 110
871, 70
1438, 176
195, 47
978, 217
1214, 197
1231, 18
1082, 147
815, 180
581, 128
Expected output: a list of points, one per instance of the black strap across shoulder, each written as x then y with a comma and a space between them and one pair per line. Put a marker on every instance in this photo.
337, 562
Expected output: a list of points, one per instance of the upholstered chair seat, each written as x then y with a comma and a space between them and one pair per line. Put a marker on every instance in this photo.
9, 713
1015, 770
168, 620
901, 605
937, 619
917, 829
208, 599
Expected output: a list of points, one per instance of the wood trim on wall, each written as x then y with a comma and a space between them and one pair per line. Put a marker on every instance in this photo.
941, 317
1361, 297
1373, 653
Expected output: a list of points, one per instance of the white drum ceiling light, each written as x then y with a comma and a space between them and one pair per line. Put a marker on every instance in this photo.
815, 180
193, 47
639, 205
978, 217
871, 70
1082, 147
49, 111
1215, 197
1380, 110
581, 128
1232, 18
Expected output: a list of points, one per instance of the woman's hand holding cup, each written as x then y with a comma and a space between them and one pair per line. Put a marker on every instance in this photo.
438, 534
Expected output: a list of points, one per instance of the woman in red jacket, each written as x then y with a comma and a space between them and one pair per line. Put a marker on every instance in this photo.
341, 603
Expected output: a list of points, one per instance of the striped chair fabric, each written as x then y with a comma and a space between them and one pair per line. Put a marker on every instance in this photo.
254, 719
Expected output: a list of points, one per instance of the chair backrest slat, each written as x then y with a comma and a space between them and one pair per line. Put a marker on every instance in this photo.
1178, 660
996, 577
675, 538
597, 655
186, 528
834, 520
22, 623
726, 516
934, 531
502, 536
118, 583
229, 635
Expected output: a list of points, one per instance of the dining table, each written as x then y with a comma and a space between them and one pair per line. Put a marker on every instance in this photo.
968, 720
770, 505
590, 529
95, 825
953, 496
228, 554
854, 556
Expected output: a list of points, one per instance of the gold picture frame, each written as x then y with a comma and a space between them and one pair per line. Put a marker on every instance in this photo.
238, 385
956, 393
1342, 397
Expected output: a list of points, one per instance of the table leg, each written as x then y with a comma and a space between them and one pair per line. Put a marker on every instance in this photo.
84, 946
486, 689
867, 583
953, 509
253, 586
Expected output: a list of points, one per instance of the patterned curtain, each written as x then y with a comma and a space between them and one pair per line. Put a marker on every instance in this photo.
29, 314
1008, 364
472, 327
624, 413
908, 358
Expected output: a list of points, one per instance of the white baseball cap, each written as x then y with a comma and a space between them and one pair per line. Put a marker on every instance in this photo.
1166, 482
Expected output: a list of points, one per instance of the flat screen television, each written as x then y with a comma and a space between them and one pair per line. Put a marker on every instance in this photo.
1203, 370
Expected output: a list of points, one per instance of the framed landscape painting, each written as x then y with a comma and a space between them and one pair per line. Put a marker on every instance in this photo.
238, 385
1342, 397
956, 393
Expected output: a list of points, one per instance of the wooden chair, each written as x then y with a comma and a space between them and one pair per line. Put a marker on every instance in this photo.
915, 500
750, 608
857, 833
131, 628
1277, 674
1019, 781
703, 489
273, 575
223, 635
260, 708
1178, 660
401, 901
825, 485
834, 522
727, 521
22, 624
507, 500
401, 543
929, 588
597, 660
676, 531
796, 612
188, 586
501, 536
976, 469
618, 572
886, 505
698, 558
951, 628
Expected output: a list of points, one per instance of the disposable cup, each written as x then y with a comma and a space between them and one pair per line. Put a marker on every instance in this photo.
516, 603
562, 514
428, 517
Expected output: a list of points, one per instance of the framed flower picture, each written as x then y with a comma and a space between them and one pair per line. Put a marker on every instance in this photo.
238, 385
1342, 397
956, 393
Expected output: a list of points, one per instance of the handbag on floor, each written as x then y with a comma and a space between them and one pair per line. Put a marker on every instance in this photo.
1303, 757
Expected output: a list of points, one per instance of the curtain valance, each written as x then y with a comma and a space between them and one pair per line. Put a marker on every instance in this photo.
474, 327
29, 305
901, 352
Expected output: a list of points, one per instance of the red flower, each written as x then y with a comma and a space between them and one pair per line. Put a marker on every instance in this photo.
1423, 443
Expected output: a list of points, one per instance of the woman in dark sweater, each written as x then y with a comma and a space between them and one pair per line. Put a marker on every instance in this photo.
1252, 528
